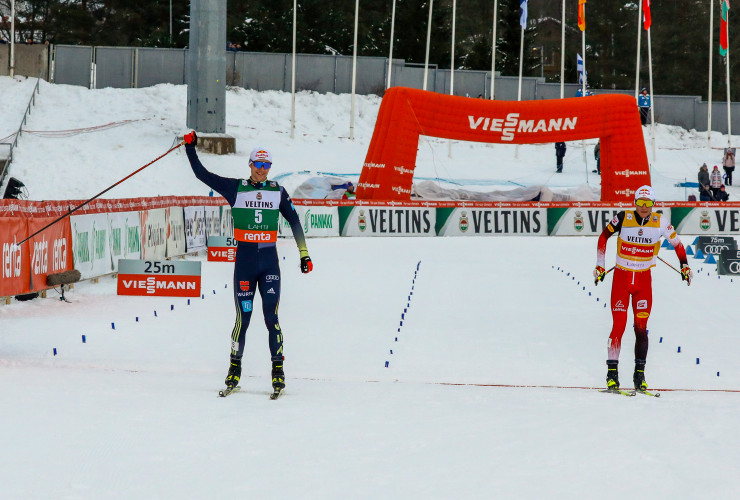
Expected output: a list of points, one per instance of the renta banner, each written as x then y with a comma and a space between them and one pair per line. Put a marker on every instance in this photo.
51, 249
15, 274
155, 278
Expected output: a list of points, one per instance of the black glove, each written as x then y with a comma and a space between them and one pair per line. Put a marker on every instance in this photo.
190, 139
686, 274
306, 265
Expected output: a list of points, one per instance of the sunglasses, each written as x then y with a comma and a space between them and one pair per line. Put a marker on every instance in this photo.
644, 203
262, 164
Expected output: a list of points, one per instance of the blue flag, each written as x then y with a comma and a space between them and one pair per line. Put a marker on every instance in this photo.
582, 75
523, 18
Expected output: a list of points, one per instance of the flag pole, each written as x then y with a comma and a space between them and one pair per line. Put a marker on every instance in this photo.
727, 61
292, 76
493, 49
429, 34
639, 40
562, 53
452, 66
709, 92
652, 97
390, 55
354, 75
583, 85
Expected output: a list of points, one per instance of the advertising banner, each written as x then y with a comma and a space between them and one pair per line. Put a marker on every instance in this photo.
153, 278
90, 245
175, 231
715, 244
316, 222
213, 220
586, 220
491, 222
153, 233
227, 222
729, 262
388, 221
124, 236
221, 249
51, 249
15, 275
195, 228
706, 220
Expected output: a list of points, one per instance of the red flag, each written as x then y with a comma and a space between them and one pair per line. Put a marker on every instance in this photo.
725, 6
581, 15
646, 13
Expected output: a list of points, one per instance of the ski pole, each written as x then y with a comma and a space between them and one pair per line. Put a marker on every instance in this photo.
101, 193
596, 281
667, 264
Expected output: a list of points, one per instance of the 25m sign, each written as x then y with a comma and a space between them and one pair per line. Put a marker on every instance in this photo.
155, 278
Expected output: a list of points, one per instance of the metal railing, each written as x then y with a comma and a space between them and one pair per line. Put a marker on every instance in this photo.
11, 145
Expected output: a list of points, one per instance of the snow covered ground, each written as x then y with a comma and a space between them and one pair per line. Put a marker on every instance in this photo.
133, 411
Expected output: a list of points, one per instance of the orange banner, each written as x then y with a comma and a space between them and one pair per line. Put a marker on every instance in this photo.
14, 276
50, 250
406, 113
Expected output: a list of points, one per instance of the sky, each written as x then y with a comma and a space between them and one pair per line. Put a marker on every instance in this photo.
133, 411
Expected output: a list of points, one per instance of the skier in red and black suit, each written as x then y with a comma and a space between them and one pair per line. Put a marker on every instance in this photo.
639, 233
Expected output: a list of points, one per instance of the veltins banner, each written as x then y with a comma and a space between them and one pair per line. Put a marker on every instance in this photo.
706, 220
388, 221
491, 221
584, 221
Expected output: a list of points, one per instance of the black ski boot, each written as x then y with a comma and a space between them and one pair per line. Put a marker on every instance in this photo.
235, 371
639, 376
278, 376
612, 375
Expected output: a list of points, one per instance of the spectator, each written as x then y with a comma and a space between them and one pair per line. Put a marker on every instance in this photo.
349, 194
560, 154
579, 92
705, 193
29, 41
597, 157
728, 164
230, 47
715, 180
643, 102
722, 195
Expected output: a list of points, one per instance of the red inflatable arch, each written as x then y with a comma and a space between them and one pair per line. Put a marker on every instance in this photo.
406, 113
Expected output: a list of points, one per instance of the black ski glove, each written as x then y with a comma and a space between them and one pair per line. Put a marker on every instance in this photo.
306, 265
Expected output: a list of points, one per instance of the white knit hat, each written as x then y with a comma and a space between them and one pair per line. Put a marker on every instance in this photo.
259, 154
645, 192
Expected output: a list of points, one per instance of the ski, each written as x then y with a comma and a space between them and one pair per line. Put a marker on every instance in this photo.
648, 393
617, 391
225, 392
276, 393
